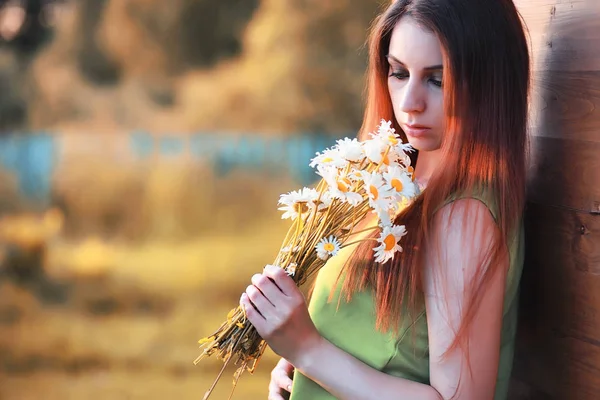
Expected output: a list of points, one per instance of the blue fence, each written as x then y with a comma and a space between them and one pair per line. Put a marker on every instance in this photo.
32, 158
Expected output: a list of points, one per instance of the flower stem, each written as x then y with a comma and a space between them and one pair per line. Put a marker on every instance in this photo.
361, 231
359, 241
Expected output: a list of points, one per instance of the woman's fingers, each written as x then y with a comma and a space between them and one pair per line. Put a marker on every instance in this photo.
254, 315
286, 365
280, 380
275, 392
267, 287
275, 396
259, 301
282, 374
281, 279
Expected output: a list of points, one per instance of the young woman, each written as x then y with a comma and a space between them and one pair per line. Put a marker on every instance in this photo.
438, 321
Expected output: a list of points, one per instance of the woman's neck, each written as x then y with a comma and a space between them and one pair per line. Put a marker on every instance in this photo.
427, 162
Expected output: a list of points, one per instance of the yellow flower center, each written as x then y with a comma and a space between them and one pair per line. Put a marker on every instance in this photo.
374, 192
301, 207
343, 184
390, 242
411, 170
329, 247
385, 160
327, 160
393, 140
396, 184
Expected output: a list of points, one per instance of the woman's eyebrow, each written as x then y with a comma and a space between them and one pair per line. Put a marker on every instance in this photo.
431, 68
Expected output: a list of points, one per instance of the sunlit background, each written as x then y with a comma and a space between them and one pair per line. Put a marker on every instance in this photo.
143, 148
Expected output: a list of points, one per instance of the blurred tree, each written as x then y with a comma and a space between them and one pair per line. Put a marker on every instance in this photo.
302, 69
155, 37
13, 107
284, 67
208, 34
25, 26
92, 60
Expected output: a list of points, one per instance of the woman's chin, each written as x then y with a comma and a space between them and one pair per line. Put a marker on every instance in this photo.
423, 145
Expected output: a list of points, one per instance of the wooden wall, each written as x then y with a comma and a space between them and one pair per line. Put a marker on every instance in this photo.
558, 347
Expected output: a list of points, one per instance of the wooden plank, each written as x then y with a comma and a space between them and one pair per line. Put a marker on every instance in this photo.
563, 267
565, 173
557, 369
565, 35
519, 390
566, 105
558, 346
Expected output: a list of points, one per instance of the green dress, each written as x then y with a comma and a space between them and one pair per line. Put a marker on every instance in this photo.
351, 327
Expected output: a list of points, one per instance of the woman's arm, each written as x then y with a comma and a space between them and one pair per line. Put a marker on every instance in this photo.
463, 233
290, 333
348, 378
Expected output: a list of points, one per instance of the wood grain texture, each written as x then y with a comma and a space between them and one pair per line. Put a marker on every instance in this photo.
566, 104
565, 173
558, 343
563, 33
558, 349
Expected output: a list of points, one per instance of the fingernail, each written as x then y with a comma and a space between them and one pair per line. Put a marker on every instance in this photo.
289, 388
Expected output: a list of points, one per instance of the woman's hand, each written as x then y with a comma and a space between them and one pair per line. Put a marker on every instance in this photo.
281, 380
277, 309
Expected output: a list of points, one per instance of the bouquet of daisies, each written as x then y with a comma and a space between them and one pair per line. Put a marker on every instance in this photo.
372, 176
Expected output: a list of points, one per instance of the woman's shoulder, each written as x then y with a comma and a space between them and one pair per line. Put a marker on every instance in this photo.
479, 194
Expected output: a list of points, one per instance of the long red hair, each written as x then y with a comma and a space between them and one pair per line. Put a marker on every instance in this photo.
486, 85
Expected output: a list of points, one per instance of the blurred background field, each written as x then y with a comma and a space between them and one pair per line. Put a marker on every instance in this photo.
143, 147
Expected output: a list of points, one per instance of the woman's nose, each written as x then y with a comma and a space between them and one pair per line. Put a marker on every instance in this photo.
413, 98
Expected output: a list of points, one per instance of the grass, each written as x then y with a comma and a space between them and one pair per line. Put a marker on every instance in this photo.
134, 310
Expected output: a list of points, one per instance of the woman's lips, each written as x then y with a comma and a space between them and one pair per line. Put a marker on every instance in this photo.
415, 130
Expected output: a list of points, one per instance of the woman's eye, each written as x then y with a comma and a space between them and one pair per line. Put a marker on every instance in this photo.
402, 75
436, 82
399, 74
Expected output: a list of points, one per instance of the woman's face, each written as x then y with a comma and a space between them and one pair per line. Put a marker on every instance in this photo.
415, 84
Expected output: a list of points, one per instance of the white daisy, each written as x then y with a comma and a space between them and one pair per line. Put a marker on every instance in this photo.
340, 186
375, 149
389, 238
296, 203
408, 168
351, 150
328, 247
399, 205
401, 147
396, 154
399, 182
385, 127
291, 269
355, 175
375, 189
383, 154
385, 215
322, 203
289, 249
387, 134
322, 255
329, 157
